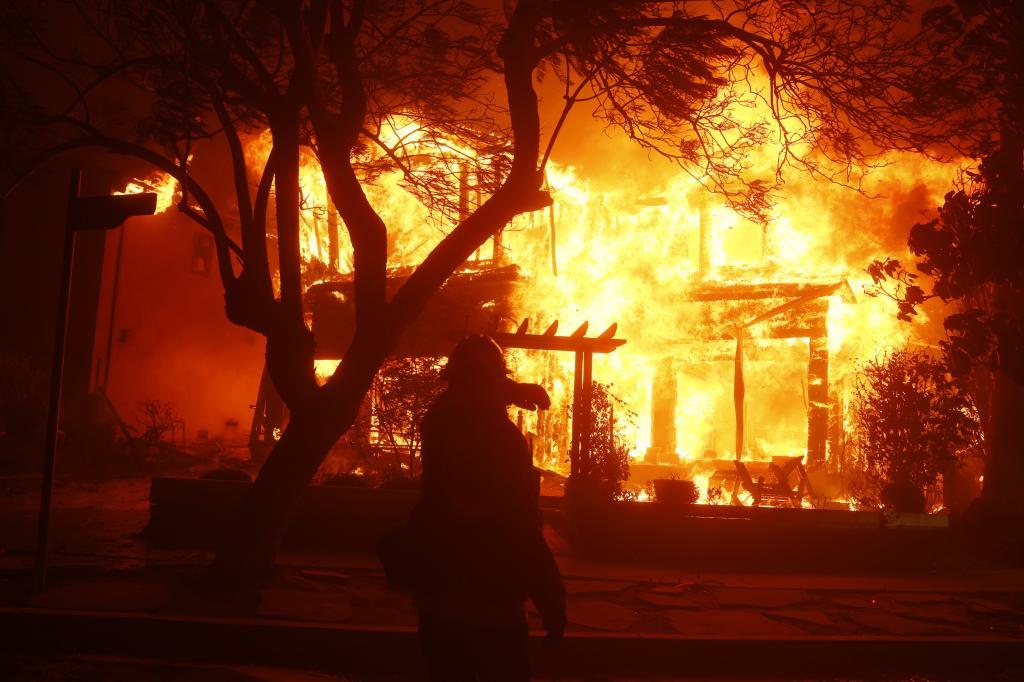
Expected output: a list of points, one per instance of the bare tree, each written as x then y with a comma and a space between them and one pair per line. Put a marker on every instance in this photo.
155, 418
684, 79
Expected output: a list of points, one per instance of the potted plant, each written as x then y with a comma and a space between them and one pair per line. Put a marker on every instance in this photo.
675, 492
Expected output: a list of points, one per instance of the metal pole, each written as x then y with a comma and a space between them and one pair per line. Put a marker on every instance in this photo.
56, 379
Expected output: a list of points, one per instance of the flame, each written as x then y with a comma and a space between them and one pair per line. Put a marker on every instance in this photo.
634, 249
165, 186
629, 251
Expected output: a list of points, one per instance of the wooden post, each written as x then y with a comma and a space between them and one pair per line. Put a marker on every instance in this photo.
704, 245
497, 250
554, 250
577, 409
316, 237
817, 401
333, 256
113, 310
836, 424
587, 425
663, 415
463, 192
739, 391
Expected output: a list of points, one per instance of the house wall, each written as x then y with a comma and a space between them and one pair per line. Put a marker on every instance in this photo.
170, 339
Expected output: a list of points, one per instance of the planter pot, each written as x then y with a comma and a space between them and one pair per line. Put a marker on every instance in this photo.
674, 493
903, 497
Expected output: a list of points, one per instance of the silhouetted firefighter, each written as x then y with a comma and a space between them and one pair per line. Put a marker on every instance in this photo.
473, 551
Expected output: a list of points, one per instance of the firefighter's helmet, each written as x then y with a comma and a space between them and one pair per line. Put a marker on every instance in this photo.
475, 357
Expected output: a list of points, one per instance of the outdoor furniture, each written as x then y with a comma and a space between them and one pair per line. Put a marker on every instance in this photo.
781, 482
786, 469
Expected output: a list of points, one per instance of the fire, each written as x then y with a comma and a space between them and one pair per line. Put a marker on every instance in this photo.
635, 251
633, 261
680, 272
412, 232
165, 186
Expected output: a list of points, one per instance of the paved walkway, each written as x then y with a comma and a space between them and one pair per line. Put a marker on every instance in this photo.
602, 598
102, 564
107, 587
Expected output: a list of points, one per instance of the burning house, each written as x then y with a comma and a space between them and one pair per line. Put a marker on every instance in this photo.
728, 340
752, 280
722, 339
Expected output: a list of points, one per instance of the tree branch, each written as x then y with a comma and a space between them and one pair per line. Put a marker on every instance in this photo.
254, 238
337, 133
519, 193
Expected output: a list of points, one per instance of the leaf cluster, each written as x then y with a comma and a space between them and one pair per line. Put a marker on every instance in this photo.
912, 419
402, 392
611, 421
972, 255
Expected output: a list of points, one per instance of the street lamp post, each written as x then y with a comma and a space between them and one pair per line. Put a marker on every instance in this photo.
83, 213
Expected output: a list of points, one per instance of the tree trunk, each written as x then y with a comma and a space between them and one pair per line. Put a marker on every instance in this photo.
1004, 471
246, 555
1003, 491
247, 552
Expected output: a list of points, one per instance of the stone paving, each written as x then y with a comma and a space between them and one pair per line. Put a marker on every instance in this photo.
102, 564
728, 605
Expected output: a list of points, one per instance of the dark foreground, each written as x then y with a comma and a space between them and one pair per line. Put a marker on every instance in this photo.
109, 669
120, 609
390, 652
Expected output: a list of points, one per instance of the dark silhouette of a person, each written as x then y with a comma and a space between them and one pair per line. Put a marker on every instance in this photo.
473, 550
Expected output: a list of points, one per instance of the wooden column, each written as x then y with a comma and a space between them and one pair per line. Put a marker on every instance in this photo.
587, 421
463, 192
582, 420
577, 409
663, 415
332, 236
704, 236
817, 400
497, 249
836, 426
739, 393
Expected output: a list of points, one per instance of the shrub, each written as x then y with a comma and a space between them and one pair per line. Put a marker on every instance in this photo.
608, 464
155, 418
403, 391
674, 492
913, 422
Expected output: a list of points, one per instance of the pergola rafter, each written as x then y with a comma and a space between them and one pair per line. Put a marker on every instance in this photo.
584, 348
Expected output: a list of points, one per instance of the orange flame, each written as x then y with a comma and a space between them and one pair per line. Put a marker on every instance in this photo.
634, 250
163, 185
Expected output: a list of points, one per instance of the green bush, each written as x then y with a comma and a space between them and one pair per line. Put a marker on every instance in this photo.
608, 463
913, 422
